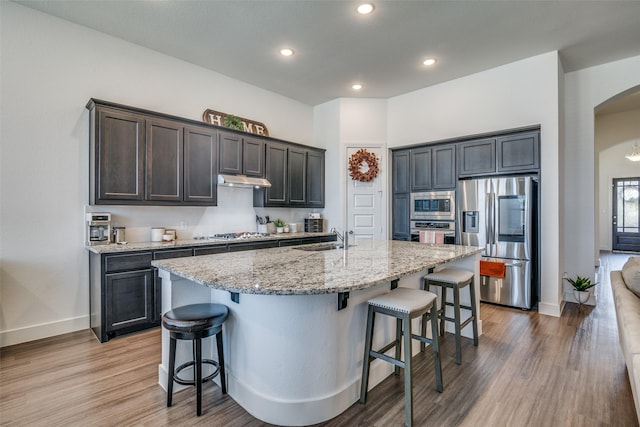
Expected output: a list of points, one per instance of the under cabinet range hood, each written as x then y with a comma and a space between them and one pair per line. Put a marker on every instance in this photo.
242, 181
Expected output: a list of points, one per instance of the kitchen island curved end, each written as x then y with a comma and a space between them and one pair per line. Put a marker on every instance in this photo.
294, 338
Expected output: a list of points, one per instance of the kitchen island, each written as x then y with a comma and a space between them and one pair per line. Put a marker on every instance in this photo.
294, 338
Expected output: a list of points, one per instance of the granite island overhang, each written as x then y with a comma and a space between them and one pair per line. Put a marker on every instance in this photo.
293, 355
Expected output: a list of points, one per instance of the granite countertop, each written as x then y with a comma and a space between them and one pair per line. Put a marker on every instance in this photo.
177, 244
292, 271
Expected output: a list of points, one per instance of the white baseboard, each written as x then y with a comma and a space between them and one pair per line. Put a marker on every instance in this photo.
554, 310
43, 330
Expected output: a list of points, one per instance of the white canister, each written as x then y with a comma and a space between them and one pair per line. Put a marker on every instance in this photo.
156, 234
293, 227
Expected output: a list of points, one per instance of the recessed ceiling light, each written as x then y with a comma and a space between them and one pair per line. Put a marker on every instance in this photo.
356, 86
365, 8
429, 61
286, 52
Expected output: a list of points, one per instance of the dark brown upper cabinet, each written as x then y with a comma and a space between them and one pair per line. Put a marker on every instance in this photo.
514, 153
276, 171
477, 157
296, 174
315, 179
138, 158
421, 169
433, 167
164, 157
116, 156
200, 165
148, 158
241, 155
519, 153
401, 169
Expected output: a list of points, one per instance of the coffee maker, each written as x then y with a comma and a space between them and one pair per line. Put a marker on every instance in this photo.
98, 228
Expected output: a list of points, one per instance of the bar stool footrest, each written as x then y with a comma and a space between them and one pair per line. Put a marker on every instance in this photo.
209, 377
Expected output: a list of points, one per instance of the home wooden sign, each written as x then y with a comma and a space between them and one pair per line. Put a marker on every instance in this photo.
234, 122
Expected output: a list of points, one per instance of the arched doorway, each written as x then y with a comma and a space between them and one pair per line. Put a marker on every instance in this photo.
616, 128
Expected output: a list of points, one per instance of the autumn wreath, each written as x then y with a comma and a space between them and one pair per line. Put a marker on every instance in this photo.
355, 164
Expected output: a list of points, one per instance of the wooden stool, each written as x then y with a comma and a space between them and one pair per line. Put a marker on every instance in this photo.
194, 322
454, 279
404, 304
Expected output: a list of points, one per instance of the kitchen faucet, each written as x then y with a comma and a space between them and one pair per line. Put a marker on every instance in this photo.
344, 237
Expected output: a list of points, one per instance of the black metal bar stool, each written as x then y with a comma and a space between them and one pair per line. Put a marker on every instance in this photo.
455, 279
404, 304
194, 322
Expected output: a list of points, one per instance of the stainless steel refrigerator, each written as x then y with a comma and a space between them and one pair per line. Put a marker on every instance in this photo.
500, 215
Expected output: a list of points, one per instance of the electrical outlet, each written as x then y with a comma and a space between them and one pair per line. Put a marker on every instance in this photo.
565, 275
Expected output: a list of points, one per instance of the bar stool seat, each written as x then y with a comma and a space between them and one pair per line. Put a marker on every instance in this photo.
404, 304
455, 279
194, 322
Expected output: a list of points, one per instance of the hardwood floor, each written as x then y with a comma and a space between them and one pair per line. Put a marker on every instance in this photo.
529, 370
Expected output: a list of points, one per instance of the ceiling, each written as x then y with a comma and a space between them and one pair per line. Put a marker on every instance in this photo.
335, 47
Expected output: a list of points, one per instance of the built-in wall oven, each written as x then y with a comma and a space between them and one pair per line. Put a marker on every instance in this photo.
434, 205
435, 213
443, 231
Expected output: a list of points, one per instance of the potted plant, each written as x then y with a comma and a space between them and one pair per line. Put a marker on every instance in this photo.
581, 286
279, 225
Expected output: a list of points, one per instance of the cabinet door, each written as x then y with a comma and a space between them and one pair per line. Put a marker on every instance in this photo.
164, 161
477, 157
443, 167
253, 157
276, 173
297, 173
118, 156
200, 166
401, 170
519, 153
129, 299
230, 153
420, 169
400, 217
315, 179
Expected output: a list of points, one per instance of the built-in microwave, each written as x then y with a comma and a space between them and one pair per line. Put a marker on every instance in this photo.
434, 205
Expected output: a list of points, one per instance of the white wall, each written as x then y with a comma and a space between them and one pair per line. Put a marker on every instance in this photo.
337, 124
50, 69
520, 94
584, 90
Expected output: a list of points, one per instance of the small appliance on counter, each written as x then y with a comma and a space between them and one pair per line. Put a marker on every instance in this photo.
119, 235
313, 225
98, 228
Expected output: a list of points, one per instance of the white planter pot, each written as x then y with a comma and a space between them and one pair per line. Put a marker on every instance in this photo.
581, 296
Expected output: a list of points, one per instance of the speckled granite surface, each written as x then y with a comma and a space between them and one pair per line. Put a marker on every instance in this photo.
290, 270
145, 246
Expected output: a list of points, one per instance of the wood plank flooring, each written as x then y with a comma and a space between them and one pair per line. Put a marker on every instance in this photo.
529, 370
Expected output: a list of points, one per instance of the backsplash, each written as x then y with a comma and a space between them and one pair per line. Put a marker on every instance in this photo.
235, 212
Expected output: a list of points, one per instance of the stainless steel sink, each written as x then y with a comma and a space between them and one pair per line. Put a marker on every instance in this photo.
321, 247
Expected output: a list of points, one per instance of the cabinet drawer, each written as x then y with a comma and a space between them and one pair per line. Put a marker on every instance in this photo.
236, 247
135, 261
174, 253
218, 249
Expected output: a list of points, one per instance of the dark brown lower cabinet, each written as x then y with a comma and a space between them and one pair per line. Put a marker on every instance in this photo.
126, 292
131, 300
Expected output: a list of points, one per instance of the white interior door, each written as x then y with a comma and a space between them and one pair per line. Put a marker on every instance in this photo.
365, 210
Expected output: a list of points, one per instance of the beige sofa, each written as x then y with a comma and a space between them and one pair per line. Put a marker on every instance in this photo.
626, 295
